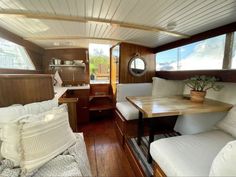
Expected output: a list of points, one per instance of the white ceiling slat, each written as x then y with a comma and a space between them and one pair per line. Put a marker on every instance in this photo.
105, 8
89, 8
156, 13
202, 13
206, 16
173, 9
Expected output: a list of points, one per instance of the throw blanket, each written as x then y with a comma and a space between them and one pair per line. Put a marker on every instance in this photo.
72, 163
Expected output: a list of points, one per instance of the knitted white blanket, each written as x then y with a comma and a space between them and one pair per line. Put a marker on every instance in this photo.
72, 163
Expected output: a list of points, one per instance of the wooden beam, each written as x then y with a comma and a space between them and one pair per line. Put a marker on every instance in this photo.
38, 38
90, 19
198, 37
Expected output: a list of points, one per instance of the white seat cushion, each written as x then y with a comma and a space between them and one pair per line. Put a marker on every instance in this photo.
189, 155
228, 124
224, 163
128, 111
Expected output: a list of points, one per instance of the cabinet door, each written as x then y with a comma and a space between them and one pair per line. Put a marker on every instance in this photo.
83, 115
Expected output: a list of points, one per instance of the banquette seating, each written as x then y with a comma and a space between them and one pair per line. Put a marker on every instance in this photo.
192, 153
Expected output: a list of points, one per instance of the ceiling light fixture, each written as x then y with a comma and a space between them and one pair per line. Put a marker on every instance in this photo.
171, 26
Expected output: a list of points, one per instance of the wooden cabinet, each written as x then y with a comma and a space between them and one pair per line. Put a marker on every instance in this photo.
82, 104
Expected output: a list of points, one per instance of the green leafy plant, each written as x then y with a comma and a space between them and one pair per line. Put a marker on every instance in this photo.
203, 83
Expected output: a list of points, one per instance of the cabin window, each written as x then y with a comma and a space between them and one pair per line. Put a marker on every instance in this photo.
99, 63
14, 56
205, 54
233, 66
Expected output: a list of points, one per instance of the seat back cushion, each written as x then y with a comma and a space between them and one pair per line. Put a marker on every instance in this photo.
164, 88
225, 161
228, 124
195, 123
138, 89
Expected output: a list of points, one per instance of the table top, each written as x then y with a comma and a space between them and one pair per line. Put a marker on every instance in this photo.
176, 105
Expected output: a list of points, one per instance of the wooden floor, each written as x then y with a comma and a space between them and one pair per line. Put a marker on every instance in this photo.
106, 156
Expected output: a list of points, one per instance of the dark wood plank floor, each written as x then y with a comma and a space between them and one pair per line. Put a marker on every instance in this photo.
106, 156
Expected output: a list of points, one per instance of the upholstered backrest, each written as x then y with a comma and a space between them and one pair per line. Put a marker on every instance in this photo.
139, 89
227, 94
195, 123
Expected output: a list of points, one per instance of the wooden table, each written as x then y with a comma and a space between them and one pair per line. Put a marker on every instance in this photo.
151, 107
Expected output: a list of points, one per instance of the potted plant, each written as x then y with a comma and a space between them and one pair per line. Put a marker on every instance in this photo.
199, 86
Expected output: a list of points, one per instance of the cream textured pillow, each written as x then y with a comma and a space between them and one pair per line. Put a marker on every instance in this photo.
36, 139
228, 124
225, 161
43, 140
164, 88
40, 107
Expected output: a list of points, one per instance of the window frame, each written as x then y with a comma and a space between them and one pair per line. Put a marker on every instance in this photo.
227, 56
26, 53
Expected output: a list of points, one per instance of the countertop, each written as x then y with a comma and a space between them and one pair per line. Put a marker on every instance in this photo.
59, 91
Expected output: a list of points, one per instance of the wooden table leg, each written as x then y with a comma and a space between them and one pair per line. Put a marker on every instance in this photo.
140, 127
150, 140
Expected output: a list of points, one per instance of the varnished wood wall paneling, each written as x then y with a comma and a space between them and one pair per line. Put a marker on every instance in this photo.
35, 52
23, 89
198, 37
127, 51
223, 75
67, 54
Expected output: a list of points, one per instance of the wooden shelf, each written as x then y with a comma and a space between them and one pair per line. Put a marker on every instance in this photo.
99, 96
81, 66
100, 107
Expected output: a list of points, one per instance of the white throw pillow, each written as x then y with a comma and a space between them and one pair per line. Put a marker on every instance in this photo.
228, 124
164, 88
225, 161
58, 80
10, 113
39, 107
43, 140
33, 140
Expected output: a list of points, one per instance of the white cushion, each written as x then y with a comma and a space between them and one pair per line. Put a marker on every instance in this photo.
58, 80
128, 111
228, 124
138, 89
224, 162
163, 87
35, 139
189, 155
39, 107
11, 112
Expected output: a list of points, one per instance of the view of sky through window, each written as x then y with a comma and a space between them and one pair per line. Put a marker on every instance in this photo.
206, 54
13, 56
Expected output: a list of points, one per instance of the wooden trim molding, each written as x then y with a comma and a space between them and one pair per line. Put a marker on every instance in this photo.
223, 75
198, 37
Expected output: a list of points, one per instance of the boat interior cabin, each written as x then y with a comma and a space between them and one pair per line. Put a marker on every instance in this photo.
117, 88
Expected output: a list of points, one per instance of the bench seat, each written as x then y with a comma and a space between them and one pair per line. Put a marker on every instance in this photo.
189, 155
